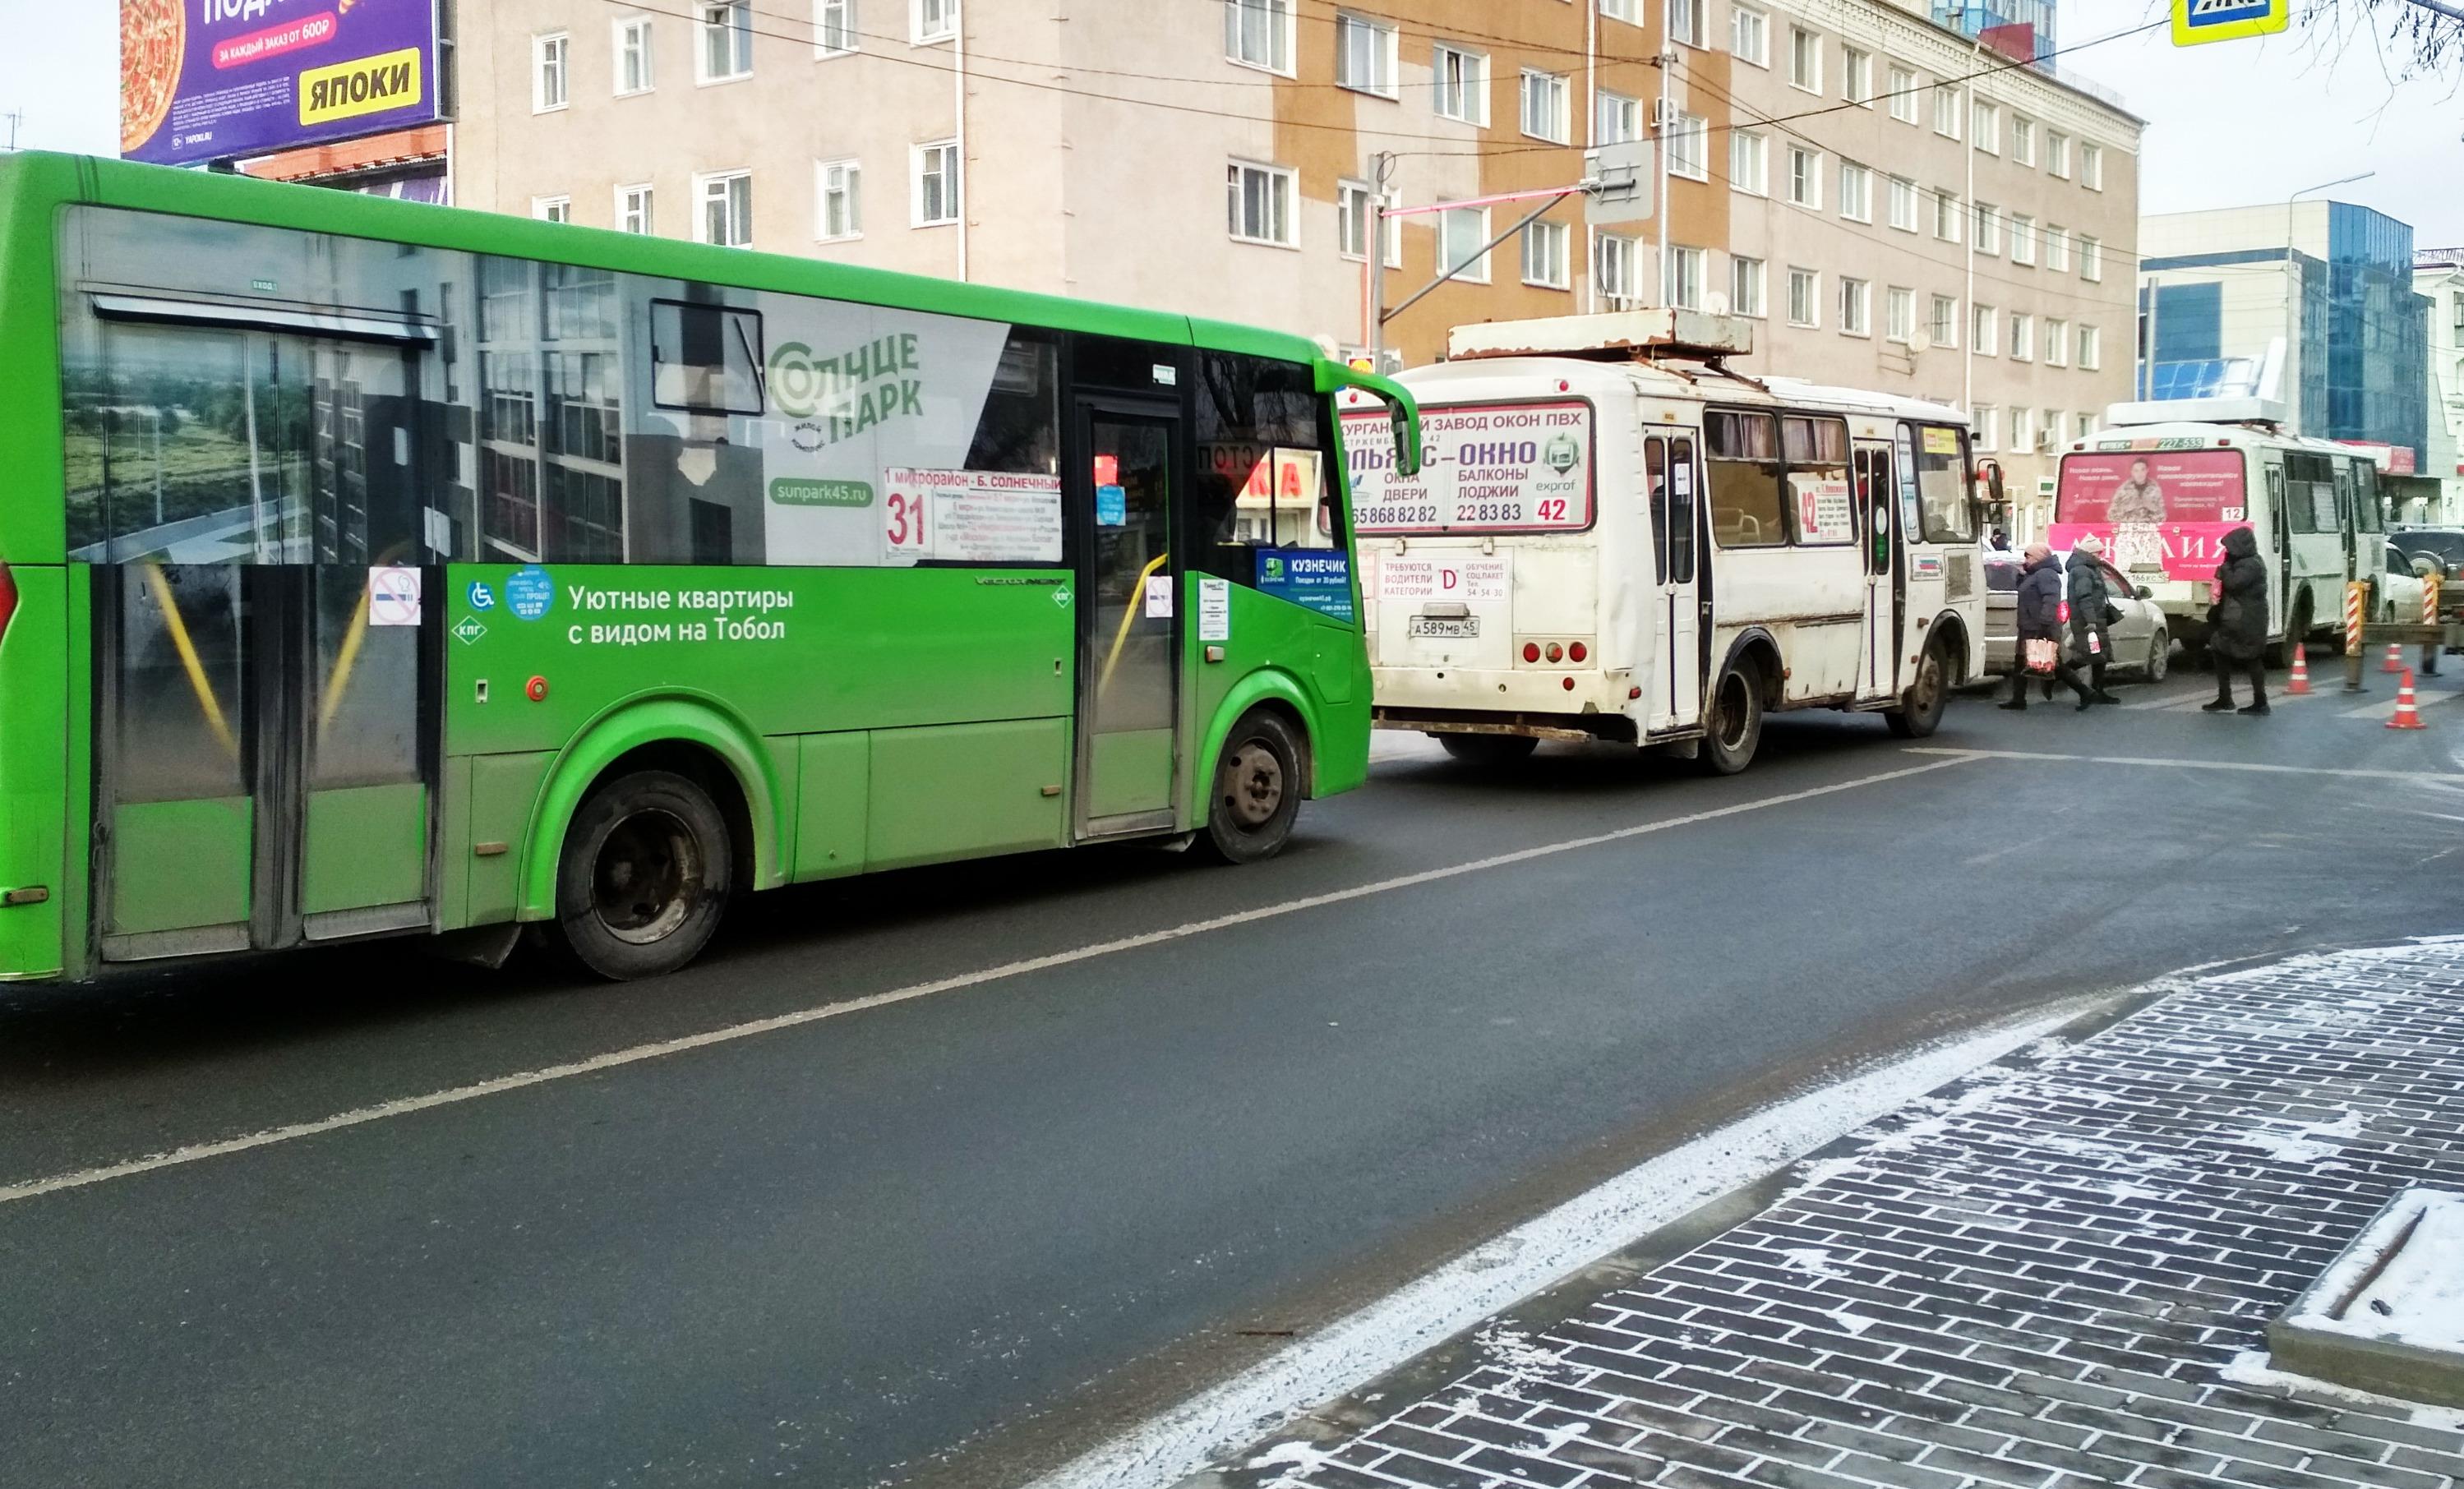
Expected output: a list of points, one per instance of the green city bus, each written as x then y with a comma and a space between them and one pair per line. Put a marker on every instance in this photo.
369, 568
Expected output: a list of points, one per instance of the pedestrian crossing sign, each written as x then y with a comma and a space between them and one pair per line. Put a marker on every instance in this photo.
2197, 21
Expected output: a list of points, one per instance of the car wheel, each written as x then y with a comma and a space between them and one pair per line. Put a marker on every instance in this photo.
644, 877
1921, 711
1733, 728
1256, 793
2160, 656
1489, 751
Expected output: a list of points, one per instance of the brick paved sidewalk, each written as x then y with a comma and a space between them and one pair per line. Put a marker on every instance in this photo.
2057, 1274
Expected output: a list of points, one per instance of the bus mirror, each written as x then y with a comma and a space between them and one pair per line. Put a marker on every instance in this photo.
1404, 408
1992, 473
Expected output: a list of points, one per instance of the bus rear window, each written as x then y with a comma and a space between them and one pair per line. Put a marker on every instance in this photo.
2149, 486
1487, 467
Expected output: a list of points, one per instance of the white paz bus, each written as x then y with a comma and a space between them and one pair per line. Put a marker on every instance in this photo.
1612, 536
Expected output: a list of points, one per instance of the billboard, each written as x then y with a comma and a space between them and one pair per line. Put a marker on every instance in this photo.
218, 79
2153, 509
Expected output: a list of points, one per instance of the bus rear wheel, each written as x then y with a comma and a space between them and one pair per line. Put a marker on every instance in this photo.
1919, 711
1735, 726
1489, 751
1257, 790
645, 876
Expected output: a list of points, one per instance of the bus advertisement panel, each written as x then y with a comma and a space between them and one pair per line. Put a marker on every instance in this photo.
1486, 468
2153, 509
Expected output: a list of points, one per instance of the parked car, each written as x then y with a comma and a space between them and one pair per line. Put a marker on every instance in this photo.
2142, 642
2443, 546
2399, 591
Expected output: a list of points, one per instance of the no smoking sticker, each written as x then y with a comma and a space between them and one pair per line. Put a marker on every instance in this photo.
393, 596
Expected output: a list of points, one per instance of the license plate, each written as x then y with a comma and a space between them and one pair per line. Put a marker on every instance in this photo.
1447, 627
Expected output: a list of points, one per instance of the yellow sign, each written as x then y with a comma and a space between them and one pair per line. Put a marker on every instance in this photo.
1939, 441
2197, 21
369, 85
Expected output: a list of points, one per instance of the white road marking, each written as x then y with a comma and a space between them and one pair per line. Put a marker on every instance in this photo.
1364, 1344
198, 1152
2443, 777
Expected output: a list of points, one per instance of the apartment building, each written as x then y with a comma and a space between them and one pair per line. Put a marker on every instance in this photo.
2439, 276
1897, 205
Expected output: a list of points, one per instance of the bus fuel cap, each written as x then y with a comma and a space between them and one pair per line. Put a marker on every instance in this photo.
536, 688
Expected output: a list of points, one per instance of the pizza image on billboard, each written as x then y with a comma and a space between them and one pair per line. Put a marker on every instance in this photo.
153, 34
225, 79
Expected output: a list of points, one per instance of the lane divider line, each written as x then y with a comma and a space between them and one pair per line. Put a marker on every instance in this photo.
360, 1116
2444, 778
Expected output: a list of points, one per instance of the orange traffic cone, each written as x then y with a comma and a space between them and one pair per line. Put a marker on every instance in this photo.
2406, 716
2394, 662
2298, 682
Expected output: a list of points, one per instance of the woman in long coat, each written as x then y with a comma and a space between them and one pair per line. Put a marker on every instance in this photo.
2238, 625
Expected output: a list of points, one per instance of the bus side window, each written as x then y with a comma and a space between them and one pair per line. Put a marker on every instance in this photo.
1745, 471
1654, 468
1680, 511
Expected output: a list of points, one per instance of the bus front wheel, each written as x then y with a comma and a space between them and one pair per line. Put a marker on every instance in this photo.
1256, 793
1919, 711
645, 876
1735, 726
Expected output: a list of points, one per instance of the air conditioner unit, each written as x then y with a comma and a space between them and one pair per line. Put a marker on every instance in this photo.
1664, 113
2048, 440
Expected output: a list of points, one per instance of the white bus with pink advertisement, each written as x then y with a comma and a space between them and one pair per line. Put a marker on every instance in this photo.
1614, 538
2164, 483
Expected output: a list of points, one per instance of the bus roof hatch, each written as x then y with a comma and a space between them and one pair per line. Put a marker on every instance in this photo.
1619, 335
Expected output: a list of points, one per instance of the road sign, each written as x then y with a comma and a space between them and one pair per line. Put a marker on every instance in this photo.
2198, 21
1618, 183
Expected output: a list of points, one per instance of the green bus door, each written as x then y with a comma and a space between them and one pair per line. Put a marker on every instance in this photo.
1127, 617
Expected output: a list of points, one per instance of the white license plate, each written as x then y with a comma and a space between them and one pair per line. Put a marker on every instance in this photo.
1445, 626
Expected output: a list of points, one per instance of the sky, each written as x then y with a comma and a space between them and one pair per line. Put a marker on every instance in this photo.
2228, 124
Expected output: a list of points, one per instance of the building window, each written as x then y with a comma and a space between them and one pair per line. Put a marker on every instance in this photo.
1944, 323
1685, 21
834, 32
1620, 119
1354, 205
548, 89
2091, 349
1946, 106
1904, 203
2023, 239
1685, 278
1749, 36
1804, 59
2083, 426
551, 208
1748, 163
2023, 430
1804, 177
1463, 244
1629, 12
1985, 330
1364, 55
727, 209
1746, 285
1855, 307
939, 193
2023, 141
633, 210
2023, 337
1546, 256
1461, 82
2057, 154
1805, 298
633, 70
1899, 314
2091, 259
726, 48
1259, 33
1258, 203
1689, 153
2092, 167
1904, 95
1981, 426
1987, 127
1545, 109
1855, 192
1857, 76
838, 189
1947, 215
1613, 263
1988, 228
2058, 250
935, 20
2057, 343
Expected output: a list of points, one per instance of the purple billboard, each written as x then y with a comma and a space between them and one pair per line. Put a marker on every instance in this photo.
218, 79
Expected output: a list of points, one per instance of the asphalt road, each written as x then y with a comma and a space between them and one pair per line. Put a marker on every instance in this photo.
952, 1238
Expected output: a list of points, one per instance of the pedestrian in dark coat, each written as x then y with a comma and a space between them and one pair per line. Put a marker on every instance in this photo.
2041, 612
2091, 603
2238, 623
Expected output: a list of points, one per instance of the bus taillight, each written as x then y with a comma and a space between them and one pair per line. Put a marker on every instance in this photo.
1554, 652
1578, 652
8, 600
1530, 651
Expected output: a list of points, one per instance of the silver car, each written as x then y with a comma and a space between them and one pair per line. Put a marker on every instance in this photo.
2140, 642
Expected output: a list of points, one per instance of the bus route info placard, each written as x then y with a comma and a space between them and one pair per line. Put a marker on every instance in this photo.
1318, 579
1486, 468
2154, 510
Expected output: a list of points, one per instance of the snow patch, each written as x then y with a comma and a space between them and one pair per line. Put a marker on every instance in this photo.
2251, 1368
1812, 1260
2305, 1144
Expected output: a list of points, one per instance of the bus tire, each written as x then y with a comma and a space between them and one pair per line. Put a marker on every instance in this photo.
1919, 711
645, 876
2280, 654
1733, 725
1255, 792
1488, 751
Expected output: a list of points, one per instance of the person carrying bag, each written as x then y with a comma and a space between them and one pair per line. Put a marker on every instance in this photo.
2040, 631
2093, 615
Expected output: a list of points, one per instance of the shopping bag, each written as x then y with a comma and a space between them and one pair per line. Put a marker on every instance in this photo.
2041, 652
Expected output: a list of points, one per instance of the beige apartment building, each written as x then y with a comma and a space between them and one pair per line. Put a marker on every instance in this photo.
1897, 207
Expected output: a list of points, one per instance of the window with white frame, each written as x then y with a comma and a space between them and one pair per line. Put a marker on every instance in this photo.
834, 32
1620, 118
1943, 324
2023, 337
2092, 167
1614, 260
2057, 154
1982, 423
1855, 307
1947, 106
726, 41
1855, 192
2023, 239
1749, 161
1546, 256
1857, 76
2023, 141
726, 208
1984, 330
1462, 238
2091, 254
2058, 248
1364, 55
1749, 36
2023, 429
551, 208
1804, 177
549, 86
1355, 208
1904, 203
838, 190
1546, 110
2082, 426
1685, 21
1689, 152
2057, 343
1988, 229
941, 194
1904, 95
1629, 12
1460, 77
1805, 59
2091, 349
1899, 314
1805, 298
1745, 286
633, 68
1946, 216
1985, 127
633, 210
1685, 278
1259, 33
935, 20
1258, 203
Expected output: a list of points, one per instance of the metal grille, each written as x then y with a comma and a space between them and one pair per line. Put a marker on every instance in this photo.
1958, 576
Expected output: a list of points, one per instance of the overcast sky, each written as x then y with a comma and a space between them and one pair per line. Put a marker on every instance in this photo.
2229, 123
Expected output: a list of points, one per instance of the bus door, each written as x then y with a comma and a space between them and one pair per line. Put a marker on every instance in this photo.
266, 712
1674, 480
1878, 672
1129, 624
